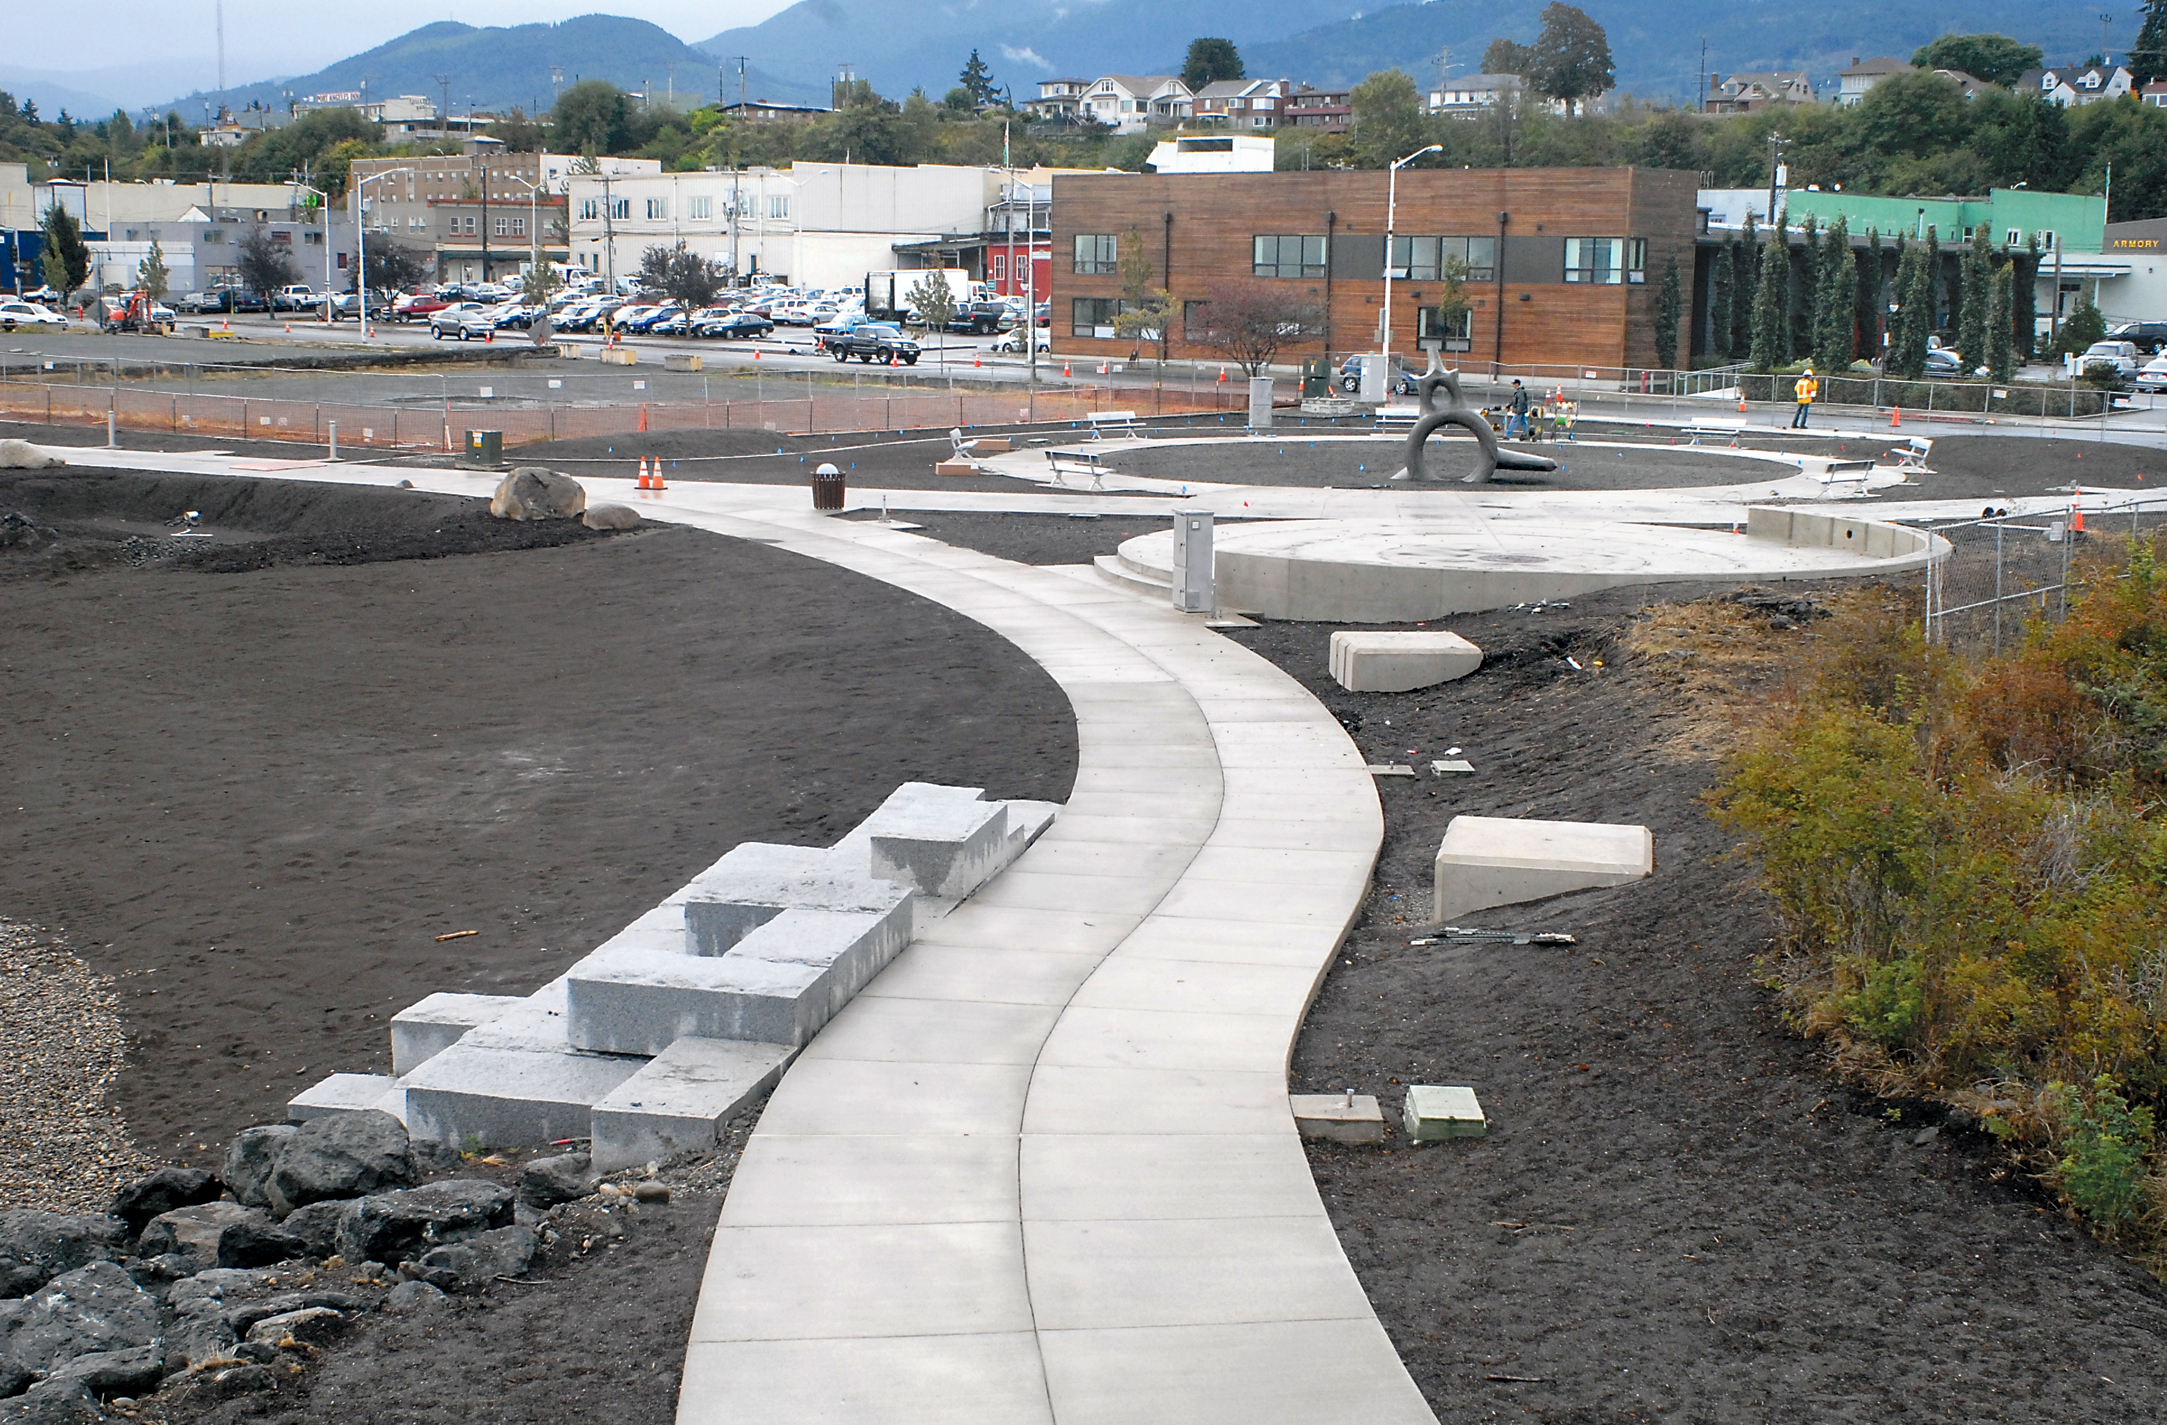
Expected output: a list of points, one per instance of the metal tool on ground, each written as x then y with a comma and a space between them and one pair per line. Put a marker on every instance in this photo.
1464, 935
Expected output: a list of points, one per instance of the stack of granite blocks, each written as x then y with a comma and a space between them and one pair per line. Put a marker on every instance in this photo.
650, 1044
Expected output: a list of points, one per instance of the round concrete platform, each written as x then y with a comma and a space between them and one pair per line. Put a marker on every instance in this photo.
1360, 571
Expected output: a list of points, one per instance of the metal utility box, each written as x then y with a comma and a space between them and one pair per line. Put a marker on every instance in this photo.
1192, 563
485, 447
1260, 402
1317, 379
1371, 391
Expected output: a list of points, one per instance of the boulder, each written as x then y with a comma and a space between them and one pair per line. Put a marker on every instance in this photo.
66, 1404
37, 1246
19, 531
394, 1226
249, 1160
545, 1182
93, 1308
151, 1273
414, 1299
221, 1234
162, 1191
532, 493
15, 1377
212, 1285
22, 455
135, 1370
243, 1318
342, 1155
317, 1225
199, 1333
206, 1388
473, 1264
610, 517
310, 1326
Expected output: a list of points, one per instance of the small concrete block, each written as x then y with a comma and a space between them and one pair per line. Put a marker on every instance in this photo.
509, 1098
1363, 662
1435, 1112
756, 882
1489, 861
680, 1102
681, 361
430, 1026
619, 356
1452, 767
943, 851
1390, 769
954, 467
993, 445
1339, 1117
340, 1093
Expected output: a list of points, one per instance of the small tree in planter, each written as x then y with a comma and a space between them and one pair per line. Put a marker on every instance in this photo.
1249, 323
935, 303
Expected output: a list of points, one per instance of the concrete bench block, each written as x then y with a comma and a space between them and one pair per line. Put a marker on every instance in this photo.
756, 882
1436, 1112
340, 1093
681, 361
942, 851
472, 1096
428, 1027
1400, 662
1338, 1117
619, 356
681, 1101
1489, 861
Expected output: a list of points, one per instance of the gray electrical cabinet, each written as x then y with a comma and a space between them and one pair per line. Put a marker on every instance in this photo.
1192, 563
1260, 402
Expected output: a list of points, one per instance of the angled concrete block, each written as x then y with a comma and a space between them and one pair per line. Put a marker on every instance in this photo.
430, 1026
340, 1093
1489, 861
680, 1101
942, 851
756, 882
1363, 662
1338, 1117
1435, 1112
495, 1097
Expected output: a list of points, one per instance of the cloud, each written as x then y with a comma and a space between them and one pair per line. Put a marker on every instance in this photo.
1022, 56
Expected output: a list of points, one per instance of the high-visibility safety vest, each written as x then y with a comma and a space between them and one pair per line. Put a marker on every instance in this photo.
1807, 389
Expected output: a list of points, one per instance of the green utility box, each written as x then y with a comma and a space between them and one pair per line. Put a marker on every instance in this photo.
485, 447
1316, 378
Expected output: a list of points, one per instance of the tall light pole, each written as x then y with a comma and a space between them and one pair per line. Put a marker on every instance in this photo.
327, 246
361, 241
1391, 213
534, 214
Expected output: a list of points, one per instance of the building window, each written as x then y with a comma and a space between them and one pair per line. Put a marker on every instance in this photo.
1287, 256
620, 208
2046, 239
1423, 259
589, 210
1096, 255
316, 238
1453, 331
282, 239
2013, 238
214, 235
1636, 259
1000, 267
657, 209
504, 227
1193, 320
1093, 316
778, 205
1595, 260
699, 209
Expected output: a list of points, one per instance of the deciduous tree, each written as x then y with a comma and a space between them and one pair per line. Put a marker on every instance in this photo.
152, 274
1250, 323
1388, 119
592, 117
1145, 309
265, 264
1995, 58
681, 275
1507, 57
1570, 60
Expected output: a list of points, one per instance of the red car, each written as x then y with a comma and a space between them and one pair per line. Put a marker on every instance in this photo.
418, 306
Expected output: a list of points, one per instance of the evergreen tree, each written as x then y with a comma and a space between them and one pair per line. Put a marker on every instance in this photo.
1719, 300
1914, 314
1934, 306
152, 274
1835, 336
2148, 57
1806, 281
978, 79
2001, 361
1771, 325
1669, 307
1745, 275
1209, 61
1866, 316
1977, 298
65, 256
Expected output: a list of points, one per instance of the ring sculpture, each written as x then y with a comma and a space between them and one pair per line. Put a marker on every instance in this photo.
1459, 413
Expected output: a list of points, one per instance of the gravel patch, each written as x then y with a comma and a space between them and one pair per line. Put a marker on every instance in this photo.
62, 1147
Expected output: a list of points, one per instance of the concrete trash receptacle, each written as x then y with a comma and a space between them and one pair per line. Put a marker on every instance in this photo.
827, 488
485, 447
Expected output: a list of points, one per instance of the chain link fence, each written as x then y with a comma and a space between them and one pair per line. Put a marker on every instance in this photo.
2004, 572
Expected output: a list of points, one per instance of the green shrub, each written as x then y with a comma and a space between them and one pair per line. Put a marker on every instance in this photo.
1890, 1007
2102, 1170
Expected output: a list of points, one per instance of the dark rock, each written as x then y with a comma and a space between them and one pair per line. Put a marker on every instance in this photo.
310, 1326
394, 1226
545, 1182
317, 1225
532, 493
249, 1160
1961, 1120
151, 1273
93, 1308
343, 1155
15, 1377
256, 1351
434, 1158
243, 1318
61, 1405
473, 1264
610, 517
134, 1371
199, 1333
211, 1285
203, 1388
651, 1192
37, 1246
222, 1234
163, 1191
413, 1298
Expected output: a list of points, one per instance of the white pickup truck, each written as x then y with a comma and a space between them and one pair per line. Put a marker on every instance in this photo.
300, 297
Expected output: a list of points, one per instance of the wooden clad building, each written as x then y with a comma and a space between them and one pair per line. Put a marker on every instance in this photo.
1564, 265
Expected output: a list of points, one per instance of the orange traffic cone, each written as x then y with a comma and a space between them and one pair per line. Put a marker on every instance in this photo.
658, 485
289, 328
1064, 368
1741, 405
641, 483
756, 353
2076, 520
1222, 373
1896, 416
643, 417
976, 362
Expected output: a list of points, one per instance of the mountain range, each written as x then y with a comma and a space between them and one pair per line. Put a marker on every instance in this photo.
792, 56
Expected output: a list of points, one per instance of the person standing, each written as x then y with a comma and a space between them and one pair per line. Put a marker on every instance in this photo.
1805, 388
1518, 421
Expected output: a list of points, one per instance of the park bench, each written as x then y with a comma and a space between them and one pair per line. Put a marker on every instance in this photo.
1710, 426
1912, 454
1103, 421
1077, 462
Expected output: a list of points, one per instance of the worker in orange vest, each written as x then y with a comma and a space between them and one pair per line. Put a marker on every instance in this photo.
1806, 389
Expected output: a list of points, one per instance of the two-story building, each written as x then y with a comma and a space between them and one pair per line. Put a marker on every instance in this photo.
2075, 86
1059, 99
511, 199
1751, 93
1852, 84
1331, 110
1472, 95
1130, 103
1241, 103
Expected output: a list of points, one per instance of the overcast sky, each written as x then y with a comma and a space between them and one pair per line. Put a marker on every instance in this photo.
267, 38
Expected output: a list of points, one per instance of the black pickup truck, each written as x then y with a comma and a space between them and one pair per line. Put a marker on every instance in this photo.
979, 318
874, 341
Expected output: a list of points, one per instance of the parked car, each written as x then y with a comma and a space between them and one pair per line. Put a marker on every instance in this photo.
2150, 338
30, 314
513, 315
647, 319
2121, 355
978, 318
732, 326
348, 304
1402, 382
1944, 361
875, 341
465, 321
43, 296
1013, 340
2153, 375
297, 297
418, 306
225, 299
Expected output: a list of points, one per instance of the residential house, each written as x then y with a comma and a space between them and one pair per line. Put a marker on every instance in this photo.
1750, 93
1057, 99
1329, 109
1472, 94
1864, 74
1129, 103
768, 111
1241, 103
2075, 86
1971, 86
2154, 94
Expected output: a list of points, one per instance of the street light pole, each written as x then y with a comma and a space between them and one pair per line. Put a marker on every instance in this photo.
1391, 213
361, 241
327, 245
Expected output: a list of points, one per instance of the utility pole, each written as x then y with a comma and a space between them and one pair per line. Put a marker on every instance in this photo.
740, 83
443, 115
1701, 95
1776, 144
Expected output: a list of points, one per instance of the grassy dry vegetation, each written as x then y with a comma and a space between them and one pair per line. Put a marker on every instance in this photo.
1967, 857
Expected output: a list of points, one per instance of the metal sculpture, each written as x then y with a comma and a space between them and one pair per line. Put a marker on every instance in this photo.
1434, 415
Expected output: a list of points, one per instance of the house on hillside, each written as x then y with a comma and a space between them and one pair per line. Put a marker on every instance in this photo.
2074, 86
1864, 74
1242, 103
2154, 94
1057, 99
1128, 103
1750, 93
1329, 109
1474, 94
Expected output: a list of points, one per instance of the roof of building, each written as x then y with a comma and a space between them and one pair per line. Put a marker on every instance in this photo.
1879, 64
1138, 83
1468, 82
